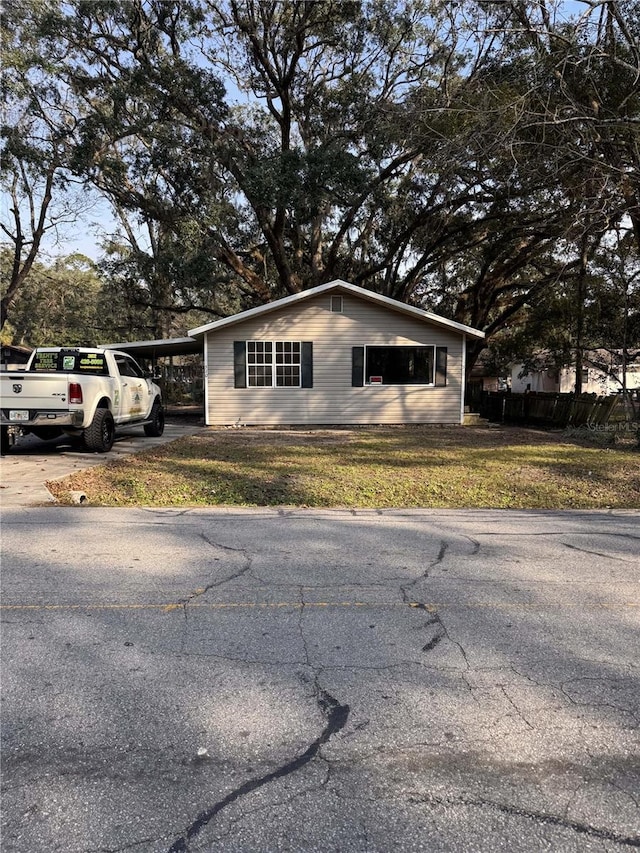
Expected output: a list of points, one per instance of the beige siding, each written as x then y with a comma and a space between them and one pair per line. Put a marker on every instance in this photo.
332, 400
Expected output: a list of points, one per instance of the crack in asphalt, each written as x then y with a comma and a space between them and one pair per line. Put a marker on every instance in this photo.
474, 542
271, 806
539, 817
130, 846
444, 545
597, 553
303, 639
441, 631
436, 619
594, 702
516, 708
198, 593
455, 643
439, 635
336, 716
525, 535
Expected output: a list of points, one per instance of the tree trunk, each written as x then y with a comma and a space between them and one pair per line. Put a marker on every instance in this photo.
582, 287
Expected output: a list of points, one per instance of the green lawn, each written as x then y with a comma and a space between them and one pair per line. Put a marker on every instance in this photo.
446, 467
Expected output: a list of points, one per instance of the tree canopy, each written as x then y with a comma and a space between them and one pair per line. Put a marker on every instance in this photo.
468, 157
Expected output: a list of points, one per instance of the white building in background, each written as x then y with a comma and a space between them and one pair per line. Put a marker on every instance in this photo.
595, 380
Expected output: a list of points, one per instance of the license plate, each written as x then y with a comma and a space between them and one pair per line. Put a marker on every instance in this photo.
19, 415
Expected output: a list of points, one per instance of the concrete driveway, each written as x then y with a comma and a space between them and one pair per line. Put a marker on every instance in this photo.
26, 468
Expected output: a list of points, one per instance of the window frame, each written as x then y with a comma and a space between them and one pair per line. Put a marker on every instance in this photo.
274, 364
134, 370
367, 374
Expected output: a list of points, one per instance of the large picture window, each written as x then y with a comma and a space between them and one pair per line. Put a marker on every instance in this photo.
400, 365
274, 364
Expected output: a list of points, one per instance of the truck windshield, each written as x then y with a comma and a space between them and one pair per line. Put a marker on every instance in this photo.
70, 361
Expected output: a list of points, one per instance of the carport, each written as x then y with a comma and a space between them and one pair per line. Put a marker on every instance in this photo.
181, 382
153, 350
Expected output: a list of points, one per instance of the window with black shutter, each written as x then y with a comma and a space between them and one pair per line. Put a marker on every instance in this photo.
357, 367
273, 364
441, 366
399, 365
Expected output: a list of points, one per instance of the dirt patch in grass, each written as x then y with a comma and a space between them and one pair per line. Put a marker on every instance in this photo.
368, 467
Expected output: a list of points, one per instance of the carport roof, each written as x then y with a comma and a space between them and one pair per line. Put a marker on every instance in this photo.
157, 349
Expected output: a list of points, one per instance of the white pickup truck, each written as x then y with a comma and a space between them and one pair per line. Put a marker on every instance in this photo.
79, 391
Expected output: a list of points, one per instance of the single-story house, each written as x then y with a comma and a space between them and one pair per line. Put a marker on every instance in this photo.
334, 354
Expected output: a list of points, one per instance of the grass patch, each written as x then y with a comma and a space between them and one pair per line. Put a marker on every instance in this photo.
370, 467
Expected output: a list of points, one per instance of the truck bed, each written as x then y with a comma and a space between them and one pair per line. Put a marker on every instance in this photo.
24, 394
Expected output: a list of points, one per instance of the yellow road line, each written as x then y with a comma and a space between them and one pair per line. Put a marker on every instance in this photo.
429, 606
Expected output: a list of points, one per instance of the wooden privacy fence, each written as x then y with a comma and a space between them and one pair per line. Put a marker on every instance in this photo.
548, 409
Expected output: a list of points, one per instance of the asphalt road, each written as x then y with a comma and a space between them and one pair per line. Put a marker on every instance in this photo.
320, 681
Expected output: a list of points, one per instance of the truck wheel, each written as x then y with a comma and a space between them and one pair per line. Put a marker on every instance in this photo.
4, 440
155, 427
99, 435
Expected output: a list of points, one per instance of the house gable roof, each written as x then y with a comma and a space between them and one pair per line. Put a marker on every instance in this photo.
340, 286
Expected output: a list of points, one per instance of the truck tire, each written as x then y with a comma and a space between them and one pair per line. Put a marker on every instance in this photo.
4, 440
155, 427
100, 433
